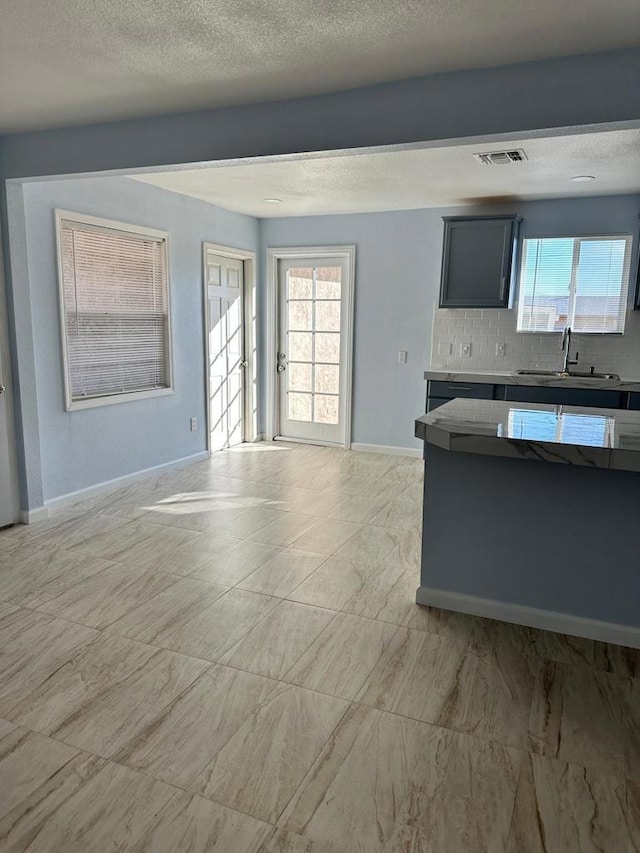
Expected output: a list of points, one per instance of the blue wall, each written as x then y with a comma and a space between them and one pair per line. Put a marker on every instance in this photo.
81, 448
597, 90
398, 258
397, 276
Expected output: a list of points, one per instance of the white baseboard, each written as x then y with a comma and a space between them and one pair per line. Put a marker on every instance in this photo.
30, 516
110, 486
534, 617
384, 448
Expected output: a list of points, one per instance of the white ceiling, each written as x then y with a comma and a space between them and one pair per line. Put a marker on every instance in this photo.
73, 61
404, 180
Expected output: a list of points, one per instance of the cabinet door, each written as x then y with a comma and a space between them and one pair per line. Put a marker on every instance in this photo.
451, 390
476, 262
436, 402
597, 398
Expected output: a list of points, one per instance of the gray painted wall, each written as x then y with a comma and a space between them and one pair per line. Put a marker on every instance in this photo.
555, 93
67, 451
525, 541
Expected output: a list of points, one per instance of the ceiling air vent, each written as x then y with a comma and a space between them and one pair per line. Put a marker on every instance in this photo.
501, 158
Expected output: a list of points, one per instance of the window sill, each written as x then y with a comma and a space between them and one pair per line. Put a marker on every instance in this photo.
574, 332
115, 399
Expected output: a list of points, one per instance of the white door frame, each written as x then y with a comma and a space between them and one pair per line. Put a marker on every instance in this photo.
250, 425
274, 255
8, 396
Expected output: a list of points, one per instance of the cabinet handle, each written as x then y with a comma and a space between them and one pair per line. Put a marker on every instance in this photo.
503, 282
460, 388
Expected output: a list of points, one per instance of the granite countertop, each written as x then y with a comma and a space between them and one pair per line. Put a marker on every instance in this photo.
571, 435
512, 378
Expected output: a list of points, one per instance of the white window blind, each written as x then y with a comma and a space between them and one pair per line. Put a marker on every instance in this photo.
582, 282
115, 305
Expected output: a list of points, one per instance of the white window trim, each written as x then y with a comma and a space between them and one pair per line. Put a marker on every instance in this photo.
629, 237
72, 405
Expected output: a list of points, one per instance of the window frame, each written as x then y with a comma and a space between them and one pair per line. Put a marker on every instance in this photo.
109, 225
627, 236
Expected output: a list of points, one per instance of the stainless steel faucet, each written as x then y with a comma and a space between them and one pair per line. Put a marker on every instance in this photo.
566, 348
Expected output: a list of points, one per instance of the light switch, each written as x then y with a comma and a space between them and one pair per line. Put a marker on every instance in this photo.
402, 356
465, 350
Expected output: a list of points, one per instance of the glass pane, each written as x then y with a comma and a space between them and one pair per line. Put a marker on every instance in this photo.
327, 316
299, 377
601, 286
300, 315
299, 407
300, 346
327, 379
328, 347
545, 282
300, 281
328, 282
326, 409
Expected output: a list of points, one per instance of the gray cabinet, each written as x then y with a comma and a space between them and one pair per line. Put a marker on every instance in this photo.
477, 261
451, 390
596, 398
439, 393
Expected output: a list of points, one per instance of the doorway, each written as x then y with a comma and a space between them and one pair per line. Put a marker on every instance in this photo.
312, 344
230, 352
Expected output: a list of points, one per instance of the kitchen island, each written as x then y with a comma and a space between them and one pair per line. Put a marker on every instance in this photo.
531, 515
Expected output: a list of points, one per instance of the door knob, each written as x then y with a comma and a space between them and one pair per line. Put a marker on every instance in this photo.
281, 368
244, 364
2, 389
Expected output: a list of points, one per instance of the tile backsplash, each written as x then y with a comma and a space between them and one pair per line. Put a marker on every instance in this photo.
482, 331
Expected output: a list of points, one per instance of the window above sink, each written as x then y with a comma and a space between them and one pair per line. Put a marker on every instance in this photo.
582, 282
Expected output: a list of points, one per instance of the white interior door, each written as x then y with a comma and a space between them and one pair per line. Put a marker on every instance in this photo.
314, 341
224, 285
6, 494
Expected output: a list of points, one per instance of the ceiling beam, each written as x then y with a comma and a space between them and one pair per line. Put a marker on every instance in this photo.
597, 89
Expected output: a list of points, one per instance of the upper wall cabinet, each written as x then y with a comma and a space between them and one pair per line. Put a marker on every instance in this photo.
477, 261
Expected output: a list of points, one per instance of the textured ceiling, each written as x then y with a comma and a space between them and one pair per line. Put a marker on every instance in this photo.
403, 180
73, 61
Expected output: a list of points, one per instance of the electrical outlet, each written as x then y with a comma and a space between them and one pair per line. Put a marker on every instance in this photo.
465, 349
500, 349
402, 356
193, 424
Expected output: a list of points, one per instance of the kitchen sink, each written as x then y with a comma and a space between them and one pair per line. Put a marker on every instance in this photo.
579, 374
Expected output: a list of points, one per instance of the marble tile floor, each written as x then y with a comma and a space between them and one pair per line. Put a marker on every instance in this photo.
228, 658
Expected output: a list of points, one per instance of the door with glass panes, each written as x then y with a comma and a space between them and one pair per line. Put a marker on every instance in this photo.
224, 278
313, 341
